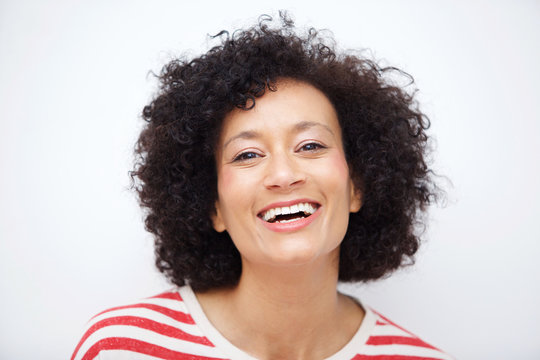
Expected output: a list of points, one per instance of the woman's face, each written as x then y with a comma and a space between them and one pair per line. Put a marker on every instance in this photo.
284, 190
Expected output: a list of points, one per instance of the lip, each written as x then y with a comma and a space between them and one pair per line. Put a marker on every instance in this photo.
293, 225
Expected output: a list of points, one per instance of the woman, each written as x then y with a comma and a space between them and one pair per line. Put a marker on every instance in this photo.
272, 168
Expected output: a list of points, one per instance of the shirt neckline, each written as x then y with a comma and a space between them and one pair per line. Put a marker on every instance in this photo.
350, 350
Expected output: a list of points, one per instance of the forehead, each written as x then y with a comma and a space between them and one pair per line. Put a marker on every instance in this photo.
292, 103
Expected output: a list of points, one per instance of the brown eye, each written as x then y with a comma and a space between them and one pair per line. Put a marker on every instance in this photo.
248, 155
312, 147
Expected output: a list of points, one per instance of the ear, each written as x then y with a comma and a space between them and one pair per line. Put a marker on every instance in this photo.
355, 199
217, 219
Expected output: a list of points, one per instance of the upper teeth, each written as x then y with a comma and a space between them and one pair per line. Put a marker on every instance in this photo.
304, 207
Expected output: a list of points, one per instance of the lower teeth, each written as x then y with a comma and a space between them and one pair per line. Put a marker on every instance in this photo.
286, 221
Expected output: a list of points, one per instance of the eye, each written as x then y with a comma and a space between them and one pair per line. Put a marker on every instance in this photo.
248, 155
312, 146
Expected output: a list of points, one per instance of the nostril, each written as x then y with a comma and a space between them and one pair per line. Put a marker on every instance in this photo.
283, 172
285, 183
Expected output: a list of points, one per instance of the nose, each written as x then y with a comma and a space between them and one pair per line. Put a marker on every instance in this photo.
284, 172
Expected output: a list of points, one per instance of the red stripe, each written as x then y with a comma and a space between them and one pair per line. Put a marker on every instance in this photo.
151, 325
143, 323
401, 340
393, 323
168, 295
176, 315
392, 357
141, 347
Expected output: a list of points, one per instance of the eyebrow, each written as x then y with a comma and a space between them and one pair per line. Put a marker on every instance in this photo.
252, 134
303, 125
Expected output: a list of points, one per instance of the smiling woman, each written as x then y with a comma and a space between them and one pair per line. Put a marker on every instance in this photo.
272, 168
296, 167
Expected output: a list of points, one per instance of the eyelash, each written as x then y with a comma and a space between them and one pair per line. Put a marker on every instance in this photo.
250, 155
243, 156
317, 145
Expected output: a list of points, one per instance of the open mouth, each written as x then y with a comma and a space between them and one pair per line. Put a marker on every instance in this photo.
289, 213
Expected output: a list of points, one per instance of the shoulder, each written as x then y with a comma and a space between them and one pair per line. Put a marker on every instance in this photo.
158, 327
388, 340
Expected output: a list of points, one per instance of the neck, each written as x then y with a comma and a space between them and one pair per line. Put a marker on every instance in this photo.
285, 312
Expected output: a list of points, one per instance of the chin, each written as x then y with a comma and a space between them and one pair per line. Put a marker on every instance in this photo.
298, 255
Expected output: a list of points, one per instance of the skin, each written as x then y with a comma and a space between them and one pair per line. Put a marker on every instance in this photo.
288, 147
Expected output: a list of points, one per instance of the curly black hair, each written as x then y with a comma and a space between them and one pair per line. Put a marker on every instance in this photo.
384, 136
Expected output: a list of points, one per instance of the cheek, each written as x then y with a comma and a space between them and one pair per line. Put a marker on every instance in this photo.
226, 186
234, 190
225, 178
337, 170
338, 185
231, 181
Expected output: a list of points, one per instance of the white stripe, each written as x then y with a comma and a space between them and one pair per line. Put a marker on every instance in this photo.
136, 333
169, 303
389, 330
410, 350
148, 314
125, 355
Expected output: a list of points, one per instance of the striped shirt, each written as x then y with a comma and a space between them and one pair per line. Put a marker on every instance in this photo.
172, 325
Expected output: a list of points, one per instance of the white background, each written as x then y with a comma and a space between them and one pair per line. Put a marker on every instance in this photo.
74, 78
